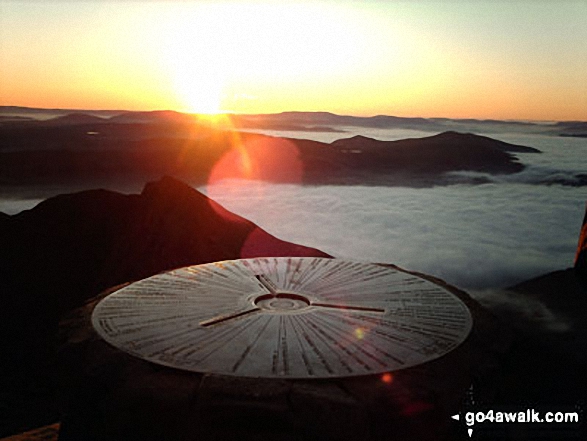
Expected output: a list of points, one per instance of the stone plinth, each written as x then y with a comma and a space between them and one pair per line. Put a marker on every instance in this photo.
111, 395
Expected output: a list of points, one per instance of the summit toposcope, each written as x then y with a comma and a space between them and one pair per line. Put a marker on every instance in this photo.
284, 317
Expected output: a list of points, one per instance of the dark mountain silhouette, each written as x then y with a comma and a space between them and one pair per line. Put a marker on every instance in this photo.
446, 140
155, 116
75, 119
141, 151
581, 256
554, 360
571, 128
42, 112
419, 158
71, 247
99, 134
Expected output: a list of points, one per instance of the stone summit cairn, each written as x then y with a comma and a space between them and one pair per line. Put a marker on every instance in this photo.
277, 349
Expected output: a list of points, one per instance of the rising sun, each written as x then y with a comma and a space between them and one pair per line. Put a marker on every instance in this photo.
220, 57
198, 72
200, 93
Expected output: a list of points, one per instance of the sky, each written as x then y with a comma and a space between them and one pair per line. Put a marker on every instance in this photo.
517, 59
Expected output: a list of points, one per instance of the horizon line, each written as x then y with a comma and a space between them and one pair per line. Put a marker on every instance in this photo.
228, 113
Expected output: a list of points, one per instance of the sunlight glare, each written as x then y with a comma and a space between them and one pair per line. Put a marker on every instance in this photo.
201, 94
218, 54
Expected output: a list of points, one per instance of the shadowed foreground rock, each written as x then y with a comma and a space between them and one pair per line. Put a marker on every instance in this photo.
71, 247
46, 433
110, 395
581, 257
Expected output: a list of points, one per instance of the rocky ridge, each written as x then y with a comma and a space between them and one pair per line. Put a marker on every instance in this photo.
71, 247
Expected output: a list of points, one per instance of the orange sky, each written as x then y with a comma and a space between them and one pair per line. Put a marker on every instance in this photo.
480, 59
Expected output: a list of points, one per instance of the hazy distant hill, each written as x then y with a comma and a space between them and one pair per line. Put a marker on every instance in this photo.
571, 128
327, 119
307, 121
163, 116
44, 114
75, 119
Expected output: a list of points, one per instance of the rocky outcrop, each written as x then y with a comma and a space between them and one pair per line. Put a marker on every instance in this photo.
548, 359
45, 433
581, 256
71, 247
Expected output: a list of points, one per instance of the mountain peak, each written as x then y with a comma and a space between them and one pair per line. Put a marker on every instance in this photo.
355, 141
101, 238
168, 184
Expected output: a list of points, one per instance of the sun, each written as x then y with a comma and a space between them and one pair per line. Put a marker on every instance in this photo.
196, 66
199, 93
219, 56
198, 81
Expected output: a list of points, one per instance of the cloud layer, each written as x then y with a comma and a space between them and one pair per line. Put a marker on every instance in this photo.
476, 237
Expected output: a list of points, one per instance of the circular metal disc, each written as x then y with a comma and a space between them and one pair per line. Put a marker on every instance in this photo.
284, 318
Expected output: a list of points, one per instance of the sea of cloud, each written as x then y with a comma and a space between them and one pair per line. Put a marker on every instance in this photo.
475, 236
12, 205
478, 237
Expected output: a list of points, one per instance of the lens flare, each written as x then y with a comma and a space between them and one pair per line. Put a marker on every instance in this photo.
387, 378
257, 157
360, 333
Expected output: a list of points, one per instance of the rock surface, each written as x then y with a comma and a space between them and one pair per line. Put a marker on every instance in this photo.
546, 364
581, 256
548, 359
71, 247
46, 433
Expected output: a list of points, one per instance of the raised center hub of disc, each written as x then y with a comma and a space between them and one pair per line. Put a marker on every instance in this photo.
282, 301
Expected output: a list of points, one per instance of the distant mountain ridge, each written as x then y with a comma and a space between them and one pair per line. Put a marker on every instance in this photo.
76, 119
164, 116
302, 120
98, 149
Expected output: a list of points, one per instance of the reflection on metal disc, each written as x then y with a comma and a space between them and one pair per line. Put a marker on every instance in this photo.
285, 318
